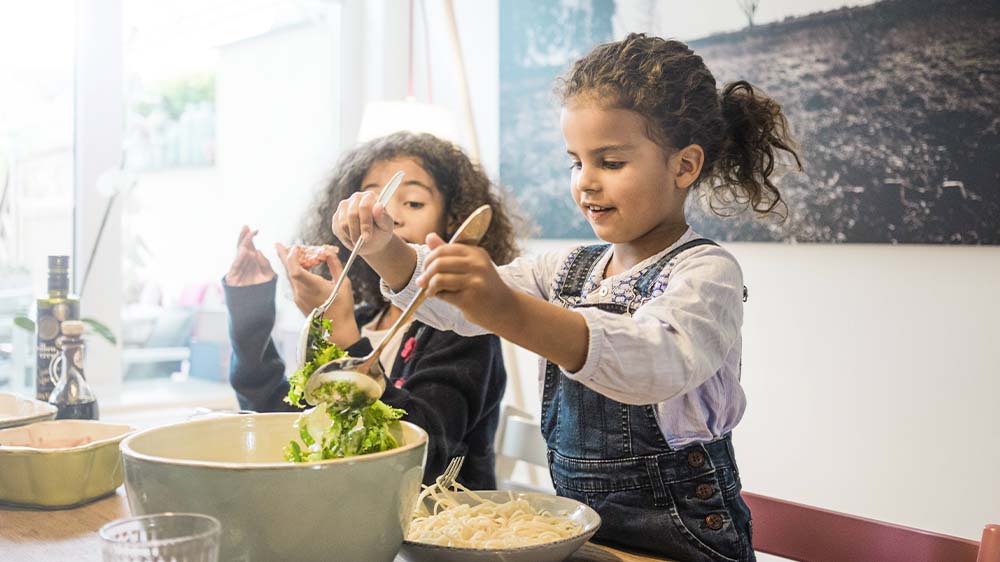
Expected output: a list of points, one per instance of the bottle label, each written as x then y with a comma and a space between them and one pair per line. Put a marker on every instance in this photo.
47, 352
51, 314
48, 328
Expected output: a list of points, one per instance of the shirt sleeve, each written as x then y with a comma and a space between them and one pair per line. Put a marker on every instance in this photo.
257, 371
673, 343
530, 274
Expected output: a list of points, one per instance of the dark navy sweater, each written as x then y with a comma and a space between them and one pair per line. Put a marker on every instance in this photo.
449, 385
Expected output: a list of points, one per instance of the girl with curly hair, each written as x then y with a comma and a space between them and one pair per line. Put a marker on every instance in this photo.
450, 385
639, 336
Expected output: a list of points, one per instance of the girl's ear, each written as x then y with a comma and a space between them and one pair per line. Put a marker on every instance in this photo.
688, 162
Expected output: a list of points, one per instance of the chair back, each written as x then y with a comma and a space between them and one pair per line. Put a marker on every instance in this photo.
811, 534
519, 438
989, 547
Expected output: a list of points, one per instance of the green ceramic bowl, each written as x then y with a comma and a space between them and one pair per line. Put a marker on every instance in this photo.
231, 468
60, 464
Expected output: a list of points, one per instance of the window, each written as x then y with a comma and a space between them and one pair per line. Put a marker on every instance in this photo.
232, 115
36, 167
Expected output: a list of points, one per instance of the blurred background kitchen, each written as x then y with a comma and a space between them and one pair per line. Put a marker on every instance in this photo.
138, 136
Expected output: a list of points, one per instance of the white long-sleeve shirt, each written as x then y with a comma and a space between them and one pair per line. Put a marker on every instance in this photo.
680, 351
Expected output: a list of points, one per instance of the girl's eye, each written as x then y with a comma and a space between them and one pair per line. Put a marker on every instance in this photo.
575, 165
613, 165
414, 204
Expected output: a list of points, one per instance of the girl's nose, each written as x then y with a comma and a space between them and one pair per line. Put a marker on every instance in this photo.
586, 181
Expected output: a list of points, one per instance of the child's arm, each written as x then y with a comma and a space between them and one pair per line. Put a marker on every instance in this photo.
359, 217
256, 371
671, 345
310, 290
464, 277
399, 263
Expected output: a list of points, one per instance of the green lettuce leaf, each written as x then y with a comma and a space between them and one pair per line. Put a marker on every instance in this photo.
327, 432
319, 352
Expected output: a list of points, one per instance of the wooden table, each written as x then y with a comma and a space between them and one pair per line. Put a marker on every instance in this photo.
71, 535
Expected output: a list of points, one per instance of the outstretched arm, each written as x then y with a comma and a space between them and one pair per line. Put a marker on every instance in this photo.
464, 277
684, 335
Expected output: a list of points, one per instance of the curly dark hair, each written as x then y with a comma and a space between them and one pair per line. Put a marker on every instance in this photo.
463, 184
740, 129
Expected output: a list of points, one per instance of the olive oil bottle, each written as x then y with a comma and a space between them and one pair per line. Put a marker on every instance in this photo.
52, 311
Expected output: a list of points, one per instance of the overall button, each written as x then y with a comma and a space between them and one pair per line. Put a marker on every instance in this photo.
696, 459
704, 491
603, 291
714, 521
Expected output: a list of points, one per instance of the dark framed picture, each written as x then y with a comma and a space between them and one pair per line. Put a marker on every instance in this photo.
894, 105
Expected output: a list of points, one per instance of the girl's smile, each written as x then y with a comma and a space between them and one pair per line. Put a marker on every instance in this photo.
596, 213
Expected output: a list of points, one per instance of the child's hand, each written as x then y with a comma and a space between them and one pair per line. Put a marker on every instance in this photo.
250, 266
359, 217
310, 290
464, 276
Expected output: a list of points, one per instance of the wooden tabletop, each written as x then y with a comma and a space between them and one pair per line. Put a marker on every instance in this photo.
71, 535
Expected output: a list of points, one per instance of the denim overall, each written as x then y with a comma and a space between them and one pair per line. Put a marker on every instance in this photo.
684, 504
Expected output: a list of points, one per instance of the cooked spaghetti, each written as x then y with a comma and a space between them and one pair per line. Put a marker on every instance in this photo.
485, 525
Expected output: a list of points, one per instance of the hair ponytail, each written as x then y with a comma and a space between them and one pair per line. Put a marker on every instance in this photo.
756, 129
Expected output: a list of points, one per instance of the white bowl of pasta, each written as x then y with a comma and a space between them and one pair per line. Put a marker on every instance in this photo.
493, 525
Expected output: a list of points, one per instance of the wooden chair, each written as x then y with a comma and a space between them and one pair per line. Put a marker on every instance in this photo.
811, 534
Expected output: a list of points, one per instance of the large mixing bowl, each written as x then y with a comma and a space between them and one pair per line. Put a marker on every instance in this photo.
231, 467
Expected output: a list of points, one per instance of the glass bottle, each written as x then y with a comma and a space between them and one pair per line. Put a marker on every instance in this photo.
72, 395
52, 311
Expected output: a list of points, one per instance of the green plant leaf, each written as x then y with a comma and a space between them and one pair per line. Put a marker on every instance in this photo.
101, 330
24, 322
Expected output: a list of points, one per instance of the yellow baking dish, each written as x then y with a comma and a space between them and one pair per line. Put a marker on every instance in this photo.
60, 464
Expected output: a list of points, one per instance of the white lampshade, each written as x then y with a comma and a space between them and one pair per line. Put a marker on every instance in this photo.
385, 117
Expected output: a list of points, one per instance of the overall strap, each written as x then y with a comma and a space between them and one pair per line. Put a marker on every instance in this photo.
644, 286
581, 261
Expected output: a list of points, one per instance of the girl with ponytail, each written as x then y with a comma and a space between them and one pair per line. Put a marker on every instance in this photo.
639, 337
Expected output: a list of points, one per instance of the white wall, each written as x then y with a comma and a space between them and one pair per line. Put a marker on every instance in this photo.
873, 380
274, 154
479, 36
98, 130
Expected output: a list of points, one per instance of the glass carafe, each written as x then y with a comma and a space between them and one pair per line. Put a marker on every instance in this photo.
72, 395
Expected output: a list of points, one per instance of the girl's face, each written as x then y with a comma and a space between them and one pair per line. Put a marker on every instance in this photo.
622, 181
417, 206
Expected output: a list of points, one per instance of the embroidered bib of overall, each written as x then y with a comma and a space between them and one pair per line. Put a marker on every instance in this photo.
684, 503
